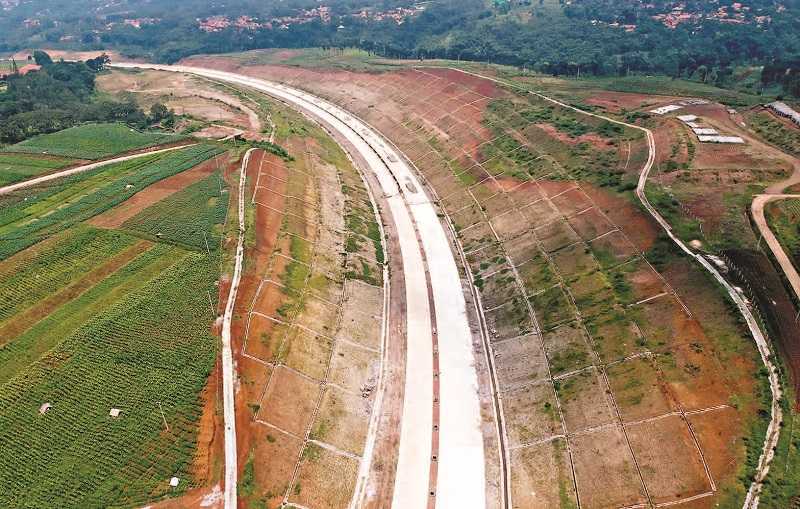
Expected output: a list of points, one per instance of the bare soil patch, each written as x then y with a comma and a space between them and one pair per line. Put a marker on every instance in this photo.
605, 470
328, 479
673, 472
520, 361
343, 420
541, 476
531, 414
289, 401
584, 401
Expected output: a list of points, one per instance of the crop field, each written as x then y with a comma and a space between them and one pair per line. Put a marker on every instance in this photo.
98, 319
311, 344
604, 356
33, 214
92, 141
783, 218
781, 133
18, 167
140, 356
190, 217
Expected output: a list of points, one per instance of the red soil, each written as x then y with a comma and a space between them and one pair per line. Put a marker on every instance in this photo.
595, 140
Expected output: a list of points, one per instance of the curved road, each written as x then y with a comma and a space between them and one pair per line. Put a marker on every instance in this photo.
759, 202
433, 296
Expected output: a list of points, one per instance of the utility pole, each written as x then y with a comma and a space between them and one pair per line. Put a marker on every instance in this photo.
163, 418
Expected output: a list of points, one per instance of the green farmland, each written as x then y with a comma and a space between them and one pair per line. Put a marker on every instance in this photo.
36, 213
189, 218
17, 167
93, 319
92, 141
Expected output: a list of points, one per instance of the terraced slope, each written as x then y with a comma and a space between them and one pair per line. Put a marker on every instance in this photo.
607, 345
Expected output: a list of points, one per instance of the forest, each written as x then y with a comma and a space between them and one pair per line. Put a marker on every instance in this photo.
700, 40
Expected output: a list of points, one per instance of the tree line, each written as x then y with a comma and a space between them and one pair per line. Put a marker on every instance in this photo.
60, 95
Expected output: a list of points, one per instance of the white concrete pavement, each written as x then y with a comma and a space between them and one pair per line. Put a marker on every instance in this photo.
228, 372
461, 470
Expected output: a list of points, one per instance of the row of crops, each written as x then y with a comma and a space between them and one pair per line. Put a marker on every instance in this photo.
36, 214
95, 319
18, 167
149, 352
192, 217
784, 220
30, 279
16, 353
93, 141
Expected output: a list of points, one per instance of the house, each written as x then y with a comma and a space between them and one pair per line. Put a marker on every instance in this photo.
21, 71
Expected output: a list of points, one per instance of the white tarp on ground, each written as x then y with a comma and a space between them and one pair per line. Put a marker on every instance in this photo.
666, 109
720, 139
687, 118
705, 131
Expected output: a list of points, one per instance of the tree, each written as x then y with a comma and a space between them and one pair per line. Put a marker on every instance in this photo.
42, 58
159, 112
97, 64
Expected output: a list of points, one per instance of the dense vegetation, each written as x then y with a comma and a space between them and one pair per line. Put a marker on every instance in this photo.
150, 353
92, 141
29, 216
599, 37
57, 96
189, 217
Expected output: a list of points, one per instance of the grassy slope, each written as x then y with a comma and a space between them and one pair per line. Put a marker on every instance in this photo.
18, 167
92, 141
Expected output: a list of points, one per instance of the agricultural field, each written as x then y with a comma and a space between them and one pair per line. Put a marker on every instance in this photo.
30, 215
776, 131
95, 319
18, 167
783, 218
603, 347
191, 217
92, 141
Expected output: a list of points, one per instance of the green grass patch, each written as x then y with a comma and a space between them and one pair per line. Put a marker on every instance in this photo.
93, 141
18, 167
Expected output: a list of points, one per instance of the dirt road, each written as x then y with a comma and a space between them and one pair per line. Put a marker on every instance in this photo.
228, 373
434, 295
81, 169
773, 430
784, 261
